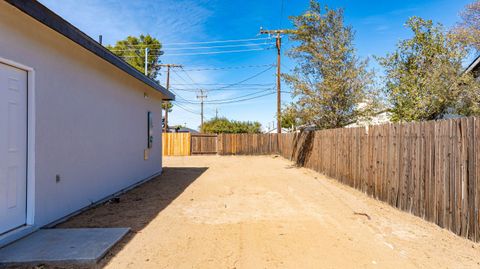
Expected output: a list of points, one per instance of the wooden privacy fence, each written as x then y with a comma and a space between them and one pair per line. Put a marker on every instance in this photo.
247, 144
204, 144
176, 144
429, 169
185, 144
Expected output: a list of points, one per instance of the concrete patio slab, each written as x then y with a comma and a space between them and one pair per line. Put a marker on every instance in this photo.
83, 246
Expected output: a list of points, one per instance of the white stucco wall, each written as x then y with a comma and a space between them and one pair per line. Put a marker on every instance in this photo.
91, 119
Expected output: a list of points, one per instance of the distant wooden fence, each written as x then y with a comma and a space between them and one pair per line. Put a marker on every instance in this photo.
176, 144
247, 144
430, 169
185, 144
204, 143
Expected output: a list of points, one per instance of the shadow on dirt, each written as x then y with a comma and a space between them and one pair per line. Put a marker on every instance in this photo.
138, 207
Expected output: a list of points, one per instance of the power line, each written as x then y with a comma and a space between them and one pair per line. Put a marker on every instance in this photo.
226, 67
247, 79
186, 109
231, 84
178, 95
222, 46
228, 99
219, 41
227, 89
242, 100
214, 52
238, 97
228, 85
219, 84
189, 77
184, 80
208, 42
207, 47
192, 87
202, 53
139, 49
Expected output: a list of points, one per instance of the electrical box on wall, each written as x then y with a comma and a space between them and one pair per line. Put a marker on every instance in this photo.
146, 152
149, 130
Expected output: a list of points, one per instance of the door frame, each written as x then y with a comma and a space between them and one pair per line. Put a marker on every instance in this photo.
30, 165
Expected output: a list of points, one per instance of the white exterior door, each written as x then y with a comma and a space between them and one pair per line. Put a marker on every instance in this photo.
13, 147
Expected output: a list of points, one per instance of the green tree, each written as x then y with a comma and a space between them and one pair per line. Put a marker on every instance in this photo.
329, 80
132, 50
468, 30
223, 125
424, 77
289, 117
168, 105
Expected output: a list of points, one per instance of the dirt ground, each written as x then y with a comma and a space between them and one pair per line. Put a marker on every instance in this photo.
261, 212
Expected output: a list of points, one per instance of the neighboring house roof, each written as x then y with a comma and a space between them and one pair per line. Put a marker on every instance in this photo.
182, 129
474, 67
47, 17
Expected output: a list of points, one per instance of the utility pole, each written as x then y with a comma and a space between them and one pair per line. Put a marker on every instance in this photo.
146, 61
279, 46
168, 66
216, 113
202, 95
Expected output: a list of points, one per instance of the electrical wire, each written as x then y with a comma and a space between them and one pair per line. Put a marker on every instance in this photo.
183, 79
222, 46
209, 42
186, 109
214, 52
238, 97
215, 89
231, 84
202, 53
219, 41
225, 68
194, 48
247, 79
218, 101
219, 84
242, 100
178, 95
189, 77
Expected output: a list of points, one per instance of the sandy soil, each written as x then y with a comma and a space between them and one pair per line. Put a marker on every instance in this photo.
260, 212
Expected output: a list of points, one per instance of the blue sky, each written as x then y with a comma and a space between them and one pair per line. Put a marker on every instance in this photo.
378, 26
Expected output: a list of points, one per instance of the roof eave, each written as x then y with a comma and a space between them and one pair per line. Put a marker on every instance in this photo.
473, 65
